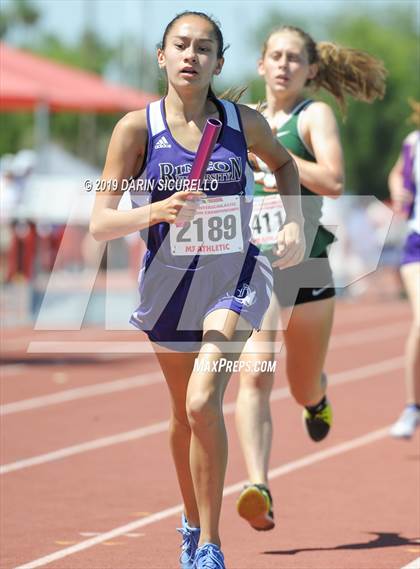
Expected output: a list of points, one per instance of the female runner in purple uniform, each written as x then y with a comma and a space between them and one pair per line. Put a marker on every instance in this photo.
193, 304
404, 184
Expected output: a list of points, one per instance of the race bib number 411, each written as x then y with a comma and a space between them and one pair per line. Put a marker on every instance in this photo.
216, 229
268, 215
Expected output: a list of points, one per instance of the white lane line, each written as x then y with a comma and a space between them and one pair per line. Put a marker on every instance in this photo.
135, 347
413, 565
86, 447
369, 370
94, 533
81, 393
368, 335
351, 313
11, 369
90, 347
278, 394
339, 378
309, 460
357, 312
338, 341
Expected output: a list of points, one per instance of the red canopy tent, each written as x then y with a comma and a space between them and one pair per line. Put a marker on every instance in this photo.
33, 83
28, 80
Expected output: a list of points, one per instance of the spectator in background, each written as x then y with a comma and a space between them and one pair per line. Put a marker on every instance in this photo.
17, 235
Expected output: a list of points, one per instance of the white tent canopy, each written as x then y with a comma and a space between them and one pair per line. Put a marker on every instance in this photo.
58, 197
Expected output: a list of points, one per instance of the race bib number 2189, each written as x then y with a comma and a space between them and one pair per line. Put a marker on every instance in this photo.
216, 229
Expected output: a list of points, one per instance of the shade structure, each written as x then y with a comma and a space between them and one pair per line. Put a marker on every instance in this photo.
28, 80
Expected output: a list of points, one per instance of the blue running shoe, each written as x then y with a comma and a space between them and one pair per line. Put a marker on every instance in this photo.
209, 556
190, 537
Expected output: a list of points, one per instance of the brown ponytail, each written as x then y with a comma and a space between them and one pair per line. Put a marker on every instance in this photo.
414, 118
345, 71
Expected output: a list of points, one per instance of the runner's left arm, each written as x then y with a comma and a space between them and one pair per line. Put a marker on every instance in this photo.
324, 177
260, 141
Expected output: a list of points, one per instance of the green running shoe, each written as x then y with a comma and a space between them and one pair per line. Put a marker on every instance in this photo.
318, 423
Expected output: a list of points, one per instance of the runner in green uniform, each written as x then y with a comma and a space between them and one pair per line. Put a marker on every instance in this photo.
304, 294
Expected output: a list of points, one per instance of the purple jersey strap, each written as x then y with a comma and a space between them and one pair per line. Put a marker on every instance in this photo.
408, 163
407, 173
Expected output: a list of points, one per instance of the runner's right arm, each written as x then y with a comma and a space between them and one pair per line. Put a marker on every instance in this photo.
124, 158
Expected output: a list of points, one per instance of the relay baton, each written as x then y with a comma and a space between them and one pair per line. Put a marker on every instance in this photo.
205, 148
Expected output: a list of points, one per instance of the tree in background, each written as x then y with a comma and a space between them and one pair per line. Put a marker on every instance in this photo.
17, 128
372, 134
83, 134
19, 14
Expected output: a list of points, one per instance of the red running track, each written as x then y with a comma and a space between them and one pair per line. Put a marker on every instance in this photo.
87, 480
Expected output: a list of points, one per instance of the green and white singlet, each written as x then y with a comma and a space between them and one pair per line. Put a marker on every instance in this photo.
267, 218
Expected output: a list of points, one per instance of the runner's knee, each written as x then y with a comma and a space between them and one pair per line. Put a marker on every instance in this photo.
256, 382
203, 410
179, 420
